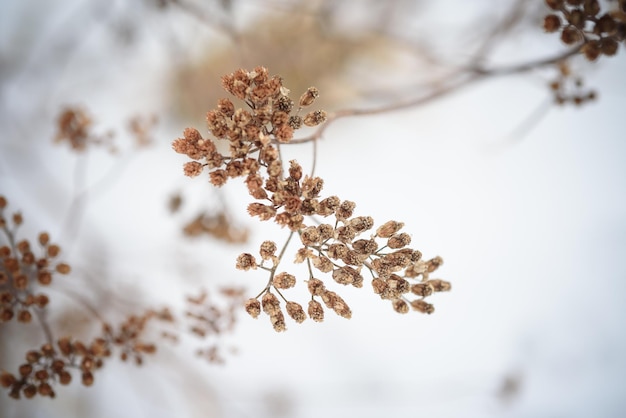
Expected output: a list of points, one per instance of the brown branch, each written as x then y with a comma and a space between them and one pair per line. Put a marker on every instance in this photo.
465, 78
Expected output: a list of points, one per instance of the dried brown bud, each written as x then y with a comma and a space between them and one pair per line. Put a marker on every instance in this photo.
316, 312
6, 379
310, 235
316, 287
315, 118
309, 97
267, 250
439, 285
270, 303
63, 268
591, 50
246, 261
422, 289
53, 250
284, 281
608, 46
24, 316
400, 306
605, 24
399, 240
421, 306
295, 311
278, 321
571, 35
192, 169
345, 210
551, 23
576, 18
87, 378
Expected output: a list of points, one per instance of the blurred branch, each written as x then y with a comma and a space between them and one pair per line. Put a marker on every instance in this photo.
464, 78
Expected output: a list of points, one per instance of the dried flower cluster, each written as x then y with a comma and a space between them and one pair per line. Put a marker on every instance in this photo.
568, 88
217, 225
24, 268
76, 127
291, 199
582, 22
211, 319
55, 363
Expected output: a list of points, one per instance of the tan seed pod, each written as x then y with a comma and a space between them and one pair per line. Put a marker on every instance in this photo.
295, 311
315, 311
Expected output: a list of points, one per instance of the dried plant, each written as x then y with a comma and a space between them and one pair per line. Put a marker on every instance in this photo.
294, 200
331, 242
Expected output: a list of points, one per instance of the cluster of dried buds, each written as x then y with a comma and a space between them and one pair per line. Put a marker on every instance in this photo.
568, 88
24, 268
209, 319
290, 198
398, 272
581, 22
53, 364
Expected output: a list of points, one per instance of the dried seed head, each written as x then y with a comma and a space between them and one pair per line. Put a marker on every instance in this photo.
315, 311
345, 210
439, 285
267, 250
253, 307
326, 232
309, 97
379, 285
270, 303
361, 223
192, 169
400, 306
63, 268
315, 118
6, 379
87, 378
347, 275
608, 46
570, 35
310, 235
284, 281
423, 307
246, 261
295, 311
365, 246
24, 316
53, 250
399, 240
316, 287
551, 23
278, 321
422, 289
591, 50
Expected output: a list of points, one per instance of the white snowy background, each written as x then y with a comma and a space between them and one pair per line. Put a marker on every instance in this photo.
532, 230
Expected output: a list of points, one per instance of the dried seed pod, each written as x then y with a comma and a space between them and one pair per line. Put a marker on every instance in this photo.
421, 306
246, 261
316, 287
309, 97
270, 303
278, 321
315, 311
400, 306
284, 281
295, 311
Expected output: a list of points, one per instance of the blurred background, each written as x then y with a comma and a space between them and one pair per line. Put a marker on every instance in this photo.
523, 199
